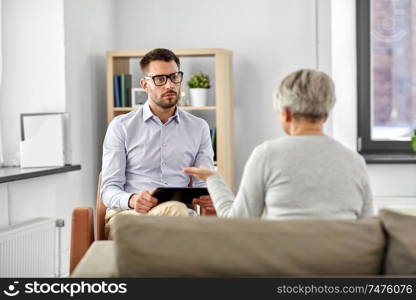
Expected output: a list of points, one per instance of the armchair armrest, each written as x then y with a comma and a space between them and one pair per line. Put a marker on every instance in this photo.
82, 234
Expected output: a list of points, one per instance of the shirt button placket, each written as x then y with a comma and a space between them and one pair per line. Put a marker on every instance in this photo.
162, 153
164, 148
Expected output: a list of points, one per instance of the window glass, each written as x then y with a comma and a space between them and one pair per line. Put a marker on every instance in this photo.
393, 69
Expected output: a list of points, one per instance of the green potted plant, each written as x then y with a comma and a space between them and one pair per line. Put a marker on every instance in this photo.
198, 89
414, 141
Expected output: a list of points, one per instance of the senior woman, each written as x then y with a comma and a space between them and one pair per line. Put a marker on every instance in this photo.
304, 175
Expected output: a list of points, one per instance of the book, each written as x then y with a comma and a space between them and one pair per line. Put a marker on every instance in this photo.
122, 90
116, 83
125, 89
214, 142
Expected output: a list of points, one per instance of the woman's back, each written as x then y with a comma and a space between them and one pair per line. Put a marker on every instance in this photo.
313, 176
298, 177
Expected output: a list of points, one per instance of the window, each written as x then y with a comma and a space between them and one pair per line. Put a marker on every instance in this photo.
386, 56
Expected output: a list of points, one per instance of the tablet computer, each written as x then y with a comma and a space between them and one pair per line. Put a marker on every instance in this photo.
181, 194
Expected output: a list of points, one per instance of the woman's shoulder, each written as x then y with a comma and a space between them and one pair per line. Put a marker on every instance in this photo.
279, 144
272, 146
346, 150
288, 144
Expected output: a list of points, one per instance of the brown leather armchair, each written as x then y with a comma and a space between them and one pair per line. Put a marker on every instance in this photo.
82, 227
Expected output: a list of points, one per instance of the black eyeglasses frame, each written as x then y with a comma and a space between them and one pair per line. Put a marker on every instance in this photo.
170, 76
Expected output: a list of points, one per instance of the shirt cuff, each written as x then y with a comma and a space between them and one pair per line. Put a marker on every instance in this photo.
124, 201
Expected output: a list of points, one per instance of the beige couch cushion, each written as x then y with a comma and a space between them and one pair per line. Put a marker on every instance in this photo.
401, 243
217, 247
98, 261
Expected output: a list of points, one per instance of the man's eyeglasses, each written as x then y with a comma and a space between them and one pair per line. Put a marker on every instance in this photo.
160, 80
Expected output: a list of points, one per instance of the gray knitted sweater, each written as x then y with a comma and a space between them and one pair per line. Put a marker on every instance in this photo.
298, 177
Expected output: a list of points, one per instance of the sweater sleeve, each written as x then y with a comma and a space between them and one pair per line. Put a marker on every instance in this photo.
368, 202
249, 201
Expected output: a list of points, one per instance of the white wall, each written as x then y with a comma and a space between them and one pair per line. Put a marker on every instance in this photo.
1, 70
89, 32
54, 54
33, 81
268, 38
33, 65
344, 71
1, 59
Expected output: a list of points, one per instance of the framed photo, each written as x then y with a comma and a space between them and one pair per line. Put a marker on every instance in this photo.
138, 97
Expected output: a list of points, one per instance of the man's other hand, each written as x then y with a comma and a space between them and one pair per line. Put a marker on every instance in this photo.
143, 201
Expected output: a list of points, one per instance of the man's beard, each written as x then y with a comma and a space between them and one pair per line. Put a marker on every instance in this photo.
167, 103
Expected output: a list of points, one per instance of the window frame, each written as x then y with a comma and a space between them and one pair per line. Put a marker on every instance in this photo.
364, 143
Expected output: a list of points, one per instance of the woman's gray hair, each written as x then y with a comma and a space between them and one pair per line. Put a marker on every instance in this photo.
309, 93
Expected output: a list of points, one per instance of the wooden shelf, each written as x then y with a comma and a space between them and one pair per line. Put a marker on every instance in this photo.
179, 52
124, 109
118, 62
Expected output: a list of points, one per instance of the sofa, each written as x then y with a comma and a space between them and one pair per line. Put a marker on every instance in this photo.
210, 247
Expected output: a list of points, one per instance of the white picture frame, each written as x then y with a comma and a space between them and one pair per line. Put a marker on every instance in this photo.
138, 97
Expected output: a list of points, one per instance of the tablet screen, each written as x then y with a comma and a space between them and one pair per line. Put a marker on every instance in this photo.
181, 194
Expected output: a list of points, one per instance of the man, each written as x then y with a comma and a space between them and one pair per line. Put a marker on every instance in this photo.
149, 147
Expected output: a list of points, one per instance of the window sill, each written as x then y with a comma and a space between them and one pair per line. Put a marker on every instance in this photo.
8, 174
388, 158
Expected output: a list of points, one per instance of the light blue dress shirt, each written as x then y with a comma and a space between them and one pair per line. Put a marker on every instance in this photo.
142, 153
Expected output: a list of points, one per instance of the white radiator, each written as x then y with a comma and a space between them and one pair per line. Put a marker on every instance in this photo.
28, 249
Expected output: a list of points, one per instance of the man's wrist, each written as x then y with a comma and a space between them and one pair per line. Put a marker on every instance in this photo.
128, 202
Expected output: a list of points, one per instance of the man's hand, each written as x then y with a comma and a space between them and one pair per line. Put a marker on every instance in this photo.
201, 173
143, 201
205, 202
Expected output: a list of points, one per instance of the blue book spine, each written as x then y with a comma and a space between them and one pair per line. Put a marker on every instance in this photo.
123, 90
117, 100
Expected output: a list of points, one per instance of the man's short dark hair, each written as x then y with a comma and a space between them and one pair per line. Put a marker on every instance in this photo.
158, 54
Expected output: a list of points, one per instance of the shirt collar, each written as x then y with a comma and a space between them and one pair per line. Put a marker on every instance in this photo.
147, 113
176, 116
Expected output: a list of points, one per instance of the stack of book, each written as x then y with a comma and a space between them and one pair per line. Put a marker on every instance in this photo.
213, 133
122, 90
